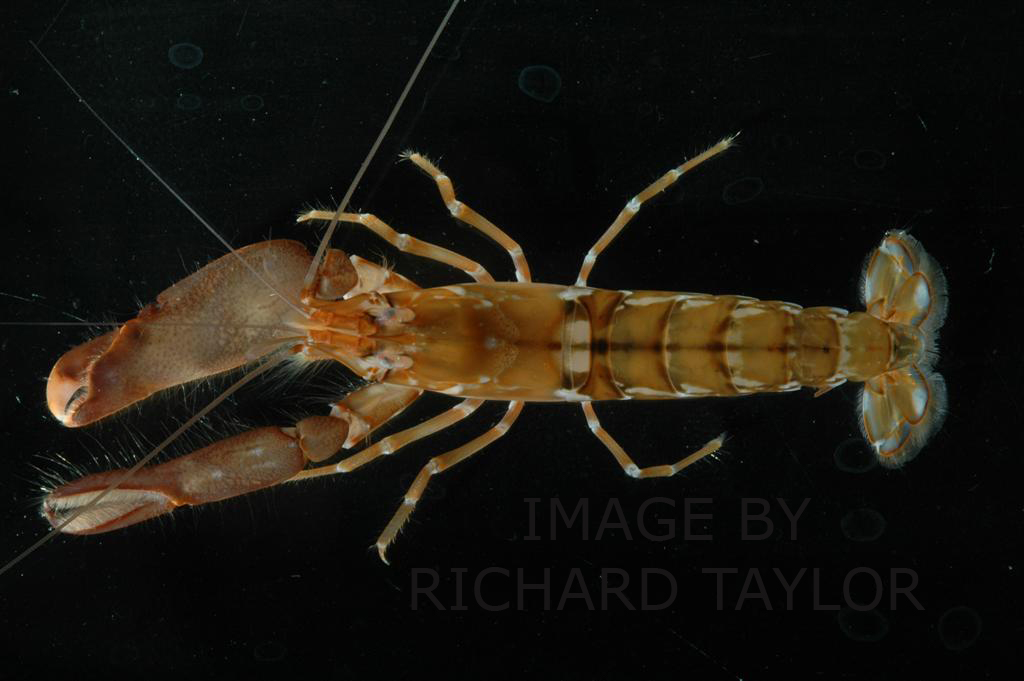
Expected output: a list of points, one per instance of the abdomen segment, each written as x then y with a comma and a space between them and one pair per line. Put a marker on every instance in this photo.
657, 345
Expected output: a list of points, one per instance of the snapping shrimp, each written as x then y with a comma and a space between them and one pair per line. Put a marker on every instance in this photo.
514, 342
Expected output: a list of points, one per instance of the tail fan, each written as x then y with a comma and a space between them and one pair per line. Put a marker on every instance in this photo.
903, 408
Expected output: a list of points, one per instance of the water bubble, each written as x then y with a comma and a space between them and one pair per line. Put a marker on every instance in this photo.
869, 159
959, 628
185, 55
188, 102
252, 102
863, 524
742, 190
854, 456
540, 82
865, 626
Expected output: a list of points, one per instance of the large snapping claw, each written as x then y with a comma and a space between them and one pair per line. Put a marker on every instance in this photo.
217, 319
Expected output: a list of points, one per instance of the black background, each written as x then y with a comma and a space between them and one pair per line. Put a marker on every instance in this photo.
855, 120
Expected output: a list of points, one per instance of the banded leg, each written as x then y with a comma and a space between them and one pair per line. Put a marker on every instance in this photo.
633, 207
630, 468
405, 243
461, 211
437, 465
392, 443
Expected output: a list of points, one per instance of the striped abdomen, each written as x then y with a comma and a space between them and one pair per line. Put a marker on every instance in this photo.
544, 342
656, 345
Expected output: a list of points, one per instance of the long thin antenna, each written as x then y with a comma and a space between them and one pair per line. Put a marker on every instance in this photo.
266, 366
311, 272
167, 186
309, 275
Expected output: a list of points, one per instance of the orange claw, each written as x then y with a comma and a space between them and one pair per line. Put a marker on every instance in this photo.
237, 465
217, 319
240, 464
68, 380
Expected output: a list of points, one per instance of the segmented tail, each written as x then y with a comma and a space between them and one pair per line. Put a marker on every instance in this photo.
901, 409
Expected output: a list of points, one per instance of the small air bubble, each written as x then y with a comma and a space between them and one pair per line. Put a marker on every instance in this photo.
854, 456
540, 82
742, 190
252, 102
863, 524
959, 628
185, 55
